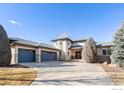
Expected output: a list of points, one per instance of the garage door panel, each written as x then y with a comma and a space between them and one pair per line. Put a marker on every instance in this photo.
26, 55
48, 56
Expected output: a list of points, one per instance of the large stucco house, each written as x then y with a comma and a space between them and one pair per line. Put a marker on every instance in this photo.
62, 49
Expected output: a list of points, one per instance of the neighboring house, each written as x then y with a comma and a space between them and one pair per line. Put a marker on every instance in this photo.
62, 49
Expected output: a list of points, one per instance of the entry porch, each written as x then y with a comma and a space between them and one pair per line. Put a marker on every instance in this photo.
76, 54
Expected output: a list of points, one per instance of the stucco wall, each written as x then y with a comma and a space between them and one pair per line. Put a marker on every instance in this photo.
13, 55
79, 43
63, 45
99, 51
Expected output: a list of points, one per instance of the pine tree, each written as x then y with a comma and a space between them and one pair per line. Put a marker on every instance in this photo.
118, 50
90, 51
5, 51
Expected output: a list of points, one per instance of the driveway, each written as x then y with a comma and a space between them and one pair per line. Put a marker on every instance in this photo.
69, 73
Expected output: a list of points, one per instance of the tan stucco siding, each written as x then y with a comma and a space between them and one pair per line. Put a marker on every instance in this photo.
13, 55
63, 45
99, 51
79, 43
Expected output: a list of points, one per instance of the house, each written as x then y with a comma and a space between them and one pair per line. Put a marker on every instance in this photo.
73, 49
62, 49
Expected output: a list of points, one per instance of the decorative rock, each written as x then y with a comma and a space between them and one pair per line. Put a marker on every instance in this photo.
5, 50
105, 63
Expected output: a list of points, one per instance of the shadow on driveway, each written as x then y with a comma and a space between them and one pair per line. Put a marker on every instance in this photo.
81, 81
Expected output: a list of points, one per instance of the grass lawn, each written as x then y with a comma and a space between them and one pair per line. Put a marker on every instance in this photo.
17, 75
116, 74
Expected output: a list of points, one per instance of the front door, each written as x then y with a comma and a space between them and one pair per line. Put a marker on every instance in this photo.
78, 54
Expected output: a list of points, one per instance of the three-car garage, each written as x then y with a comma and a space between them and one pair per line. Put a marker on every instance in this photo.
24, 51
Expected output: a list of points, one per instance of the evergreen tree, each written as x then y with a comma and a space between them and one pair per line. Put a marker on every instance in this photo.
118, 50
5, 51
90, 51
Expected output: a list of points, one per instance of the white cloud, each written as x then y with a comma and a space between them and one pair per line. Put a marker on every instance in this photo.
15, 22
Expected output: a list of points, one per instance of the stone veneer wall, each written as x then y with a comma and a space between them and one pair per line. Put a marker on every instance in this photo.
102, 59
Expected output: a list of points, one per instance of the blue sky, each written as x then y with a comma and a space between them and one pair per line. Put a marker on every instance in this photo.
44, 22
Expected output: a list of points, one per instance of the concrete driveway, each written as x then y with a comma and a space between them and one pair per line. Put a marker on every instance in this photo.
69, 73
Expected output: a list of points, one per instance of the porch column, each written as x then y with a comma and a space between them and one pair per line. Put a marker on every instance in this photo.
38, 55
69, 54
83, 56
13, 53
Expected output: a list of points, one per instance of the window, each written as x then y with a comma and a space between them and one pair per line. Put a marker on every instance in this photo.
60, 53
106, 52
60, 42
68, 43
68, 52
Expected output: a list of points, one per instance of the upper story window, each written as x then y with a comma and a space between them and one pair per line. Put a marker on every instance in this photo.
68, 43
60, 53
68, 52
106, 52
60, 43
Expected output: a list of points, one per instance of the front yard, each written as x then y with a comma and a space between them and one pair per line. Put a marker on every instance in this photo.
17, 75
116, 74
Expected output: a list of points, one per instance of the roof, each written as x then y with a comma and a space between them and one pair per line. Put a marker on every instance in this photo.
23, 41
81, 40
48, 46
66, 38
76, 47
31, 43
104, 44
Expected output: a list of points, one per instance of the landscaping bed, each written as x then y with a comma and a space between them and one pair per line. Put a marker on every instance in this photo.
116, 74
17, 75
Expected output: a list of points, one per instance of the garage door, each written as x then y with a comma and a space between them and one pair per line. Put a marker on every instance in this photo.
26, 55
48, 56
